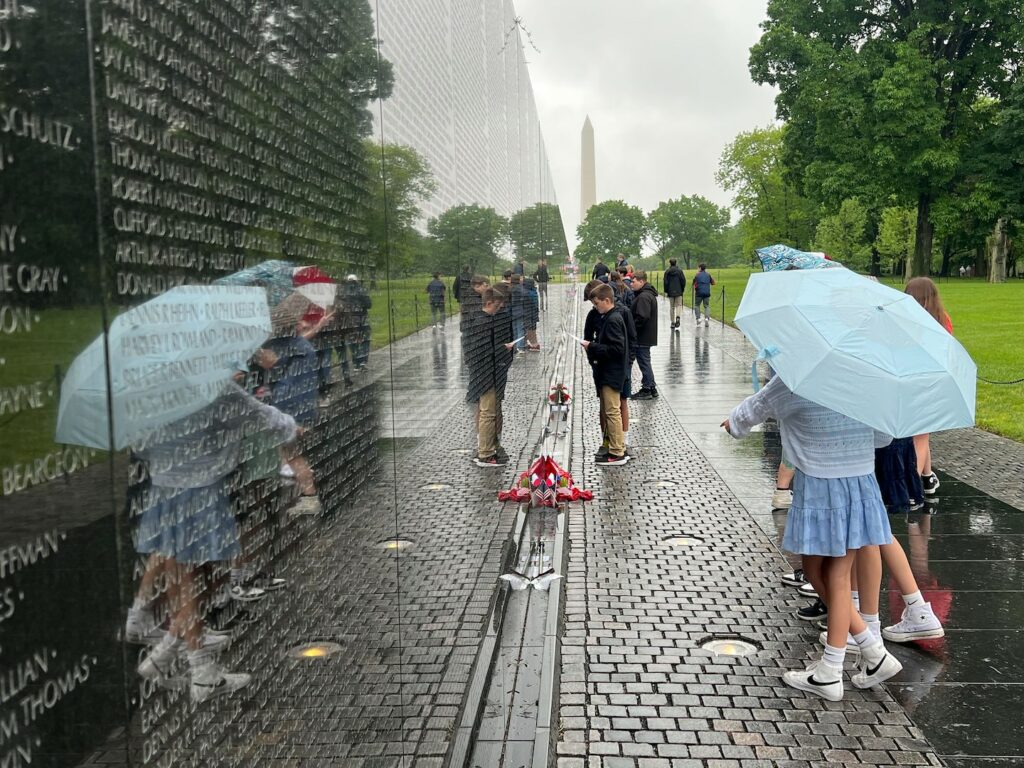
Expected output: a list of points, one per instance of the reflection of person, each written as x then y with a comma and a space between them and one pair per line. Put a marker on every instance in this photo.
489, 356
837, 509
927, 295
607, 349
922, 611
600, 270
674, 285
436, 292
898, 478
645, 315
519, 268
461, 286
517, 306
532, 314
186, 521
702, 283
543, 277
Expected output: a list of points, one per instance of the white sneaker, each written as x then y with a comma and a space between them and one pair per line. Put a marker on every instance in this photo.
782, 498
306, 505
919, 622
244, 594
876, 666
819, 679
706, 322
807, 590
214, 643
287, 472
141, 628
159, 662
211, 681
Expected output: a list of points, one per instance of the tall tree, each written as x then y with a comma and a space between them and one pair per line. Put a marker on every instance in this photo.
688, 227
843, 235
879, 94
537, 233
772, 208
896, 232
400, 180
611, 227
468, 234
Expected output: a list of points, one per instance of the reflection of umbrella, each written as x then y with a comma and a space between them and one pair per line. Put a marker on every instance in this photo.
776, 258
860, 348
278, 277
316, 285
169, 357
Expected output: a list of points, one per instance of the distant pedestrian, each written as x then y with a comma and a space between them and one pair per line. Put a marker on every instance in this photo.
621, 261
963, 270
645, 315
600, 269
519, 268
702, 283
543, 277
675, 286
461, 285
517, 307
436, 291
608, 354
531, 316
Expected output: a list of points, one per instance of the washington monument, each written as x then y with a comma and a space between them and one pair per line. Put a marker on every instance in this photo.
588, 174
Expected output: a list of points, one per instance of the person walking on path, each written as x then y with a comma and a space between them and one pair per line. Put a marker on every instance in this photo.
489, 356
837, 510
645, 316
608, 353
702, 283
927, 295
461, 286
674, 285
600, 269
543, 277
436, 291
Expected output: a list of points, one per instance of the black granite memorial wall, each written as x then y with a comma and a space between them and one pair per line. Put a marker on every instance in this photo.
205, 255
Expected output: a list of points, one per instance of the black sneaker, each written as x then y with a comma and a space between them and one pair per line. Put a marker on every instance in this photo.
813, 612
795, 579
642, 394
930, 484
602, 451
654, 393
493, 461
611, 460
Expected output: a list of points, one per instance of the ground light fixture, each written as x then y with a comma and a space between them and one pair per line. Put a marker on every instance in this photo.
664, 484
396, 545
730, 646
682, 540
435, 487
314, 651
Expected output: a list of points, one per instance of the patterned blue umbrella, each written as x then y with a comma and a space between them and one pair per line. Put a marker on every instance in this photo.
277, 276
777, 258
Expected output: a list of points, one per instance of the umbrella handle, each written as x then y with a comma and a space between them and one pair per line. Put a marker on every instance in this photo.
765, 354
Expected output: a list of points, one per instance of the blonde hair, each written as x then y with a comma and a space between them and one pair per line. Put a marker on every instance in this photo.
927, 294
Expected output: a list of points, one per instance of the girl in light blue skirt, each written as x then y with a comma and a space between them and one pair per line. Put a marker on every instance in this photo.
837, 509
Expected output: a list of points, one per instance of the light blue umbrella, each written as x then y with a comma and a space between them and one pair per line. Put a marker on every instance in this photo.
276, 276
860, 348
169, 357
777, 258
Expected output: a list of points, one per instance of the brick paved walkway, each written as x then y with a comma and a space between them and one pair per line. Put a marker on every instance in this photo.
636, 690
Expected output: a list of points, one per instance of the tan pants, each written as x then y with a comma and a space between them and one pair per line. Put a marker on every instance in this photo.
488, 424
675, 308
611, 420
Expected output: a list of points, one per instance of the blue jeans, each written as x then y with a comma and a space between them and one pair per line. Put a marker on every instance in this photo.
519, 329
643, 359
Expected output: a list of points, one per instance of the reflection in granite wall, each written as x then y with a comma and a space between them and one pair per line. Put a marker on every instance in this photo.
194, 214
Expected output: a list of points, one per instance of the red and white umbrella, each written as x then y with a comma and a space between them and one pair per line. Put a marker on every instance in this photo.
316, 285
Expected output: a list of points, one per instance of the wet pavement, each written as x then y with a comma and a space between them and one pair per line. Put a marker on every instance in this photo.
963, 693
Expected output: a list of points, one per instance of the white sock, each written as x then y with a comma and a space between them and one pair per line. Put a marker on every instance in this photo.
914, 598
625, 437
871, 619
856, 599
865, 638
834, 657
138, 604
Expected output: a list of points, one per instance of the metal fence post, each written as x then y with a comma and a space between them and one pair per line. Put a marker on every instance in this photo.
723, 307
416, 309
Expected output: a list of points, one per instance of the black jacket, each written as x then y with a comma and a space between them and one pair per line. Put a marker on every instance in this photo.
486, 356
645, 315
600, 269
541, 275
608, 352
675, 281
461, 286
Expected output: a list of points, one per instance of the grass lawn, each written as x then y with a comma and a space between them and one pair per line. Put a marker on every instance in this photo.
988, 319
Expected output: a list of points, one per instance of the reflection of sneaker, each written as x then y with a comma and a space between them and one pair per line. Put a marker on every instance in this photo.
245, 594
306, 505
929, 483
159, 662
876, 666
819, 679
795, 579
782, 499
212, 681
268, 582
706, 322
919, 622
287, 472
212, 642
812, 612
141, 628
807, 590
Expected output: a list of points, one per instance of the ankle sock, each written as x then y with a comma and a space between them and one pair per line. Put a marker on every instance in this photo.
834, 657
914, 598
871, 619
865, 638
855, 595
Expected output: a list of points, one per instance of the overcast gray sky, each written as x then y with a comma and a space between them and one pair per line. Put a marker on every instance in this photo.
665, 83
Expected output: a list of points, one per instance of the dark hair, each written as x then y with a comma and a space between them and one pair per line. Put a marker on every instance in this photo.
507, 273
437, 275
672, 262
702, 266
589, 288
516, 278
603, 291
493, 294
479, 280
501, 290
465, 267
624, 270
616, 277
640, 275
